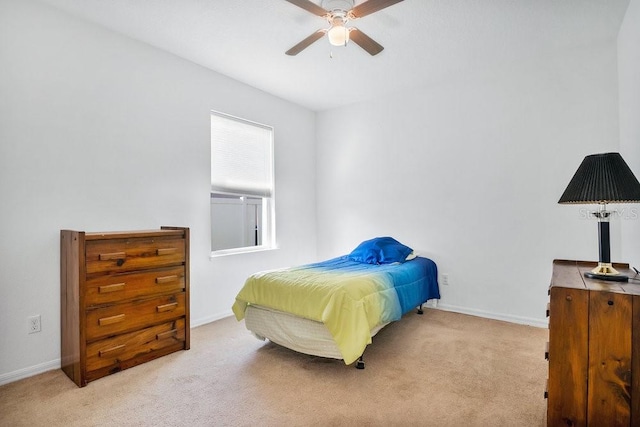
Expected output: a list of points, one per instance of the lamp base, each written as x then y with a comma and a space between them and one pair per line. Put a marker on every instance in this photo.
605, 271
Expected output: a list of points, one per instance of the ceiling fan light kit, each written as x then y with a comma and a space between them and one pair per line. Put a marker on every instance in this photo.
338, 34
338, 13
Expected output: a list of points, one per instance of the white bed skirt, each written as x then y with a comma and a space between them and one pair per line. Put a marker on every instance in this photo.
296, 333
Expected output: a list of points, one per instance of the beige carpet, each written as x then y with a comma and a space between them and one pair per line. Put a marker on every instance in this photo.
439, 369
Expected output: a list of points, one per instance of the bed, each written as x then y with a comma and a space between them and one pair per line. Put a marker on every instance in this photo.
333, 308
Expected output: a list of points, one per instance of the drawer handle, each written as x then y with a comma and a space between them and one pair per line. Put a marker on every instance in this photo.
166, 307
111, 288
112, 255
166, 279
168, 334
546, 390
546, 351
166, 251
548, 309
110, 351
110, 320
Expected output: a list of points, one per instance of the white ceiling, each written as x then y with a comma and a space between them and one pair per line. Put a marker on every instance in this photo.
424, 40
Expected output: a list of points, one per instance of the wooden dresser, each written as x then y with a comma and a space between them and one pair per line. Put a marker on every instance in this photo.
124, 299
594, 347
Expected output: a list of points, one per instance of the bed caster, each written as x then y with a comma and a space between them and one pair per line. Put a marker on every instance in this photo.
420, 310
360, 363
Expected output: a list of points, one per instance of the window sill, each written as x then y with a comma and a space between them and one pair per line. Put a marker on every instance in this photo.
236, 251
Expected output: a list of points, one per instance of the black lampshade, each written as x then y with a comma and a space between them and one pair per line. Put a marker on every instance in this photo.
602, 178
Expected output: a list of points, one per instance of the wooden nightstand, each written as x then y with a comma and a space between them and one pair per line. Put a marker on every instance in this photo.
594, 346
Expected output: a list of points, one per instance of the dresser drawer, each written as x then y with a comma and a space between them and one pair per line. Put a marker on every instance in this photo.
113, 351
130, 316
120, 255
119, 287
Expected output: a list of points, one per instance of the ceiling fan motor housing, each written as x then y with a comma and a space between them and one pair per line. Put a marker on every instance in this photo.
338, 5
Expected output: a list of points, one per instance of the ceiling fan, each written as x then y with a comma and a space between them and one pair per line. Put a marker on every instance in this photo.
338, 13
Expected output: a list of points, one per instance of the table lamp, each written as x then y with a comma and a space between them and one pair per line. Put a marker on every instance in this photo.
601, 179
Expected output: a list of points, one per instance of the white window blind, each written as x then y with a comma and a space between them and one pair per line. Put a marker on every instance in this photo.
241, 156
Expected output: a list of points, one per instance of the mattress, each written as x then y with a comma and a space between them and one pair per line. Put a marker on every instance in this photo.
296, 333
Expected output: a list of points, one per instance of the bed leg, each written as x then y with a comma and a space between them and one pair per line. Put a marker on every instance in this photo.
360, 363
420, 310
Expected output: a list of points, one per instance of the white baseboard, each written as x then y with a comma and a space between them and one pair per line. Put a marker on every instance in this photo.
208, 319
540, 323
531, 321
29, 371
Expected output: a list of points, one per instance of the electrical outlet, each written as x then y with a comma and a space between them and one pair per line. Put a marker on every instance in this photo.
445, 279
34, 324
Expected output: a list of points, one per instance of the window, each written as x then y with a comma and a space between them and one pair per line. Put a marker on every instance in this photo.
242, 190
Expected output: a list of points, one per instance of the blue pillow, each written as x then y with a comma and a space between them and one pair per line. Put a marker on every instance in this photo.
381, 250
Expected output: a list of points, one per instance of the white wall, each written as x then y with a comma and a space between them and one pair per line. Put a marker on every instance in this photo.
100, 132
629, 81
469, 172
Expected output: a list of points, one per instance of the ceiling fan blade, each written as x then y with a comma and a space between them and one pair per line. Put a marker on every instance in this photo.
365, 42
368, 7
305, 43
309, 7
